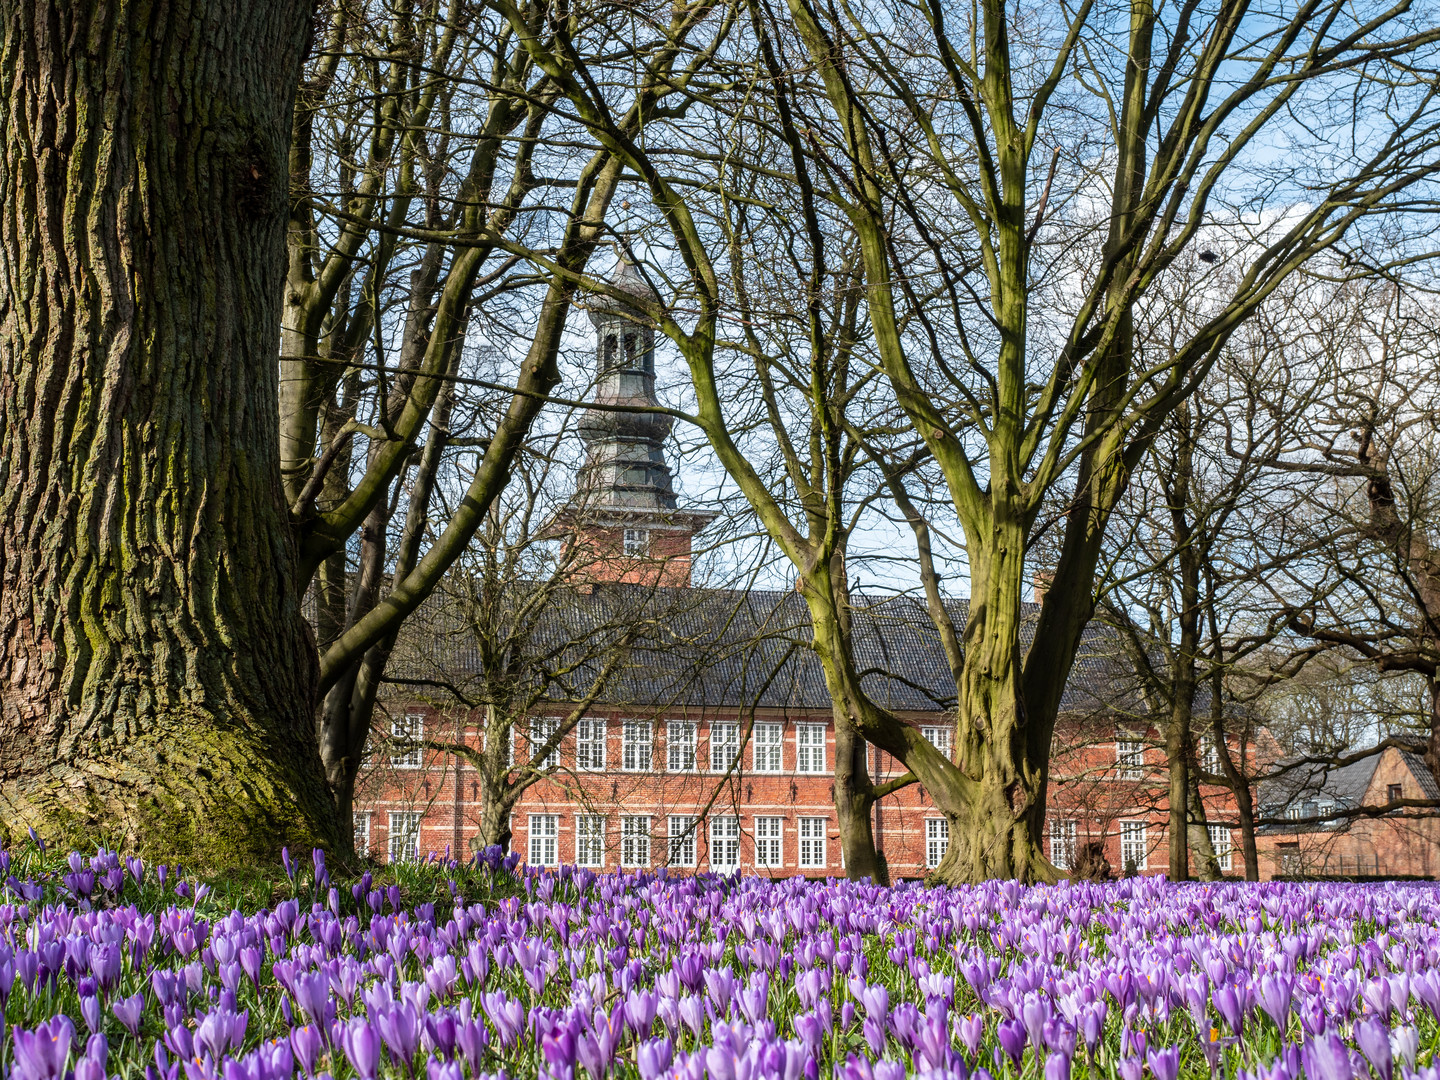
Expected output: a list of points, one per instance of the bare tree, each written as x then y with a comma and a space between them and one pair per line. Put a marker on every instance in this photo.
1004, 275
428, 156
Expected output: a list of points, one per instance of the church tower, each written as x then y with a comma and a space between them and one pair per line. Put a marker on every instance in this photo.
625, 517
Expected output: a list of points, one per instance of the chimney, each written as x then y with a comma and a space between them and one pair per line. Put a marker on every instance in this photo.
1043, 578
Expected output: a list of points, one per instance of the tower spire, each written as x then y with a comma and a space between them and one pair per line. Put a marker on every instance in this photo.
625, 513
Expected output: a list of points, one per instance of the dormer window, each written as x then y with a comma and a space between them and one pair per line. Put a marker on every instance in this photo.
637, 542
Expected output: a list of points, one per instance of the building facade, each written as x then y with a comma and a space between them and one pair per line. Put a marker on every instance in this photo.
716, 752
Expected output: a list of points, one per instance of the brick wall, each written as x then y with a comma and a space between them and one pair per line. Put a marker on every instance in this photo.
1093, 793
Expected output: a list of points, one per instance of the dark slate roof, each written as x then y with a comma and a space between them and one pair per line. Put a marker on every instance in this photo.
1423, 776
719, 648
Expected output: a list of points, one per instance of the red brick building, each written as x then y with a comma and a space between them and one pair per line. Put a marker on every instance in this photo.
717, 753
1320, 839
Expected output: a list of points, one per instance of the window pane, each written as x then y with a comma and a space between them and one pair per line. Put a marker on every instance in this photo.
1220, 842
1129, 757
724, 745
636, 750
680, 746
812, 843
544, 840
682, 841
1062, 844
938, 737
937, 841
768, 851
1133, 849
590, 840
403, 729
404, 837
767, 739
542, 729
590, 745
635, 841
810, 748
725, 844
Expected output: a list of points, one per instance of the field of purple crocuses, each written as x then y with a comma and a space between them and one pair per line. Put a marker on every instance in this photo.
446, 971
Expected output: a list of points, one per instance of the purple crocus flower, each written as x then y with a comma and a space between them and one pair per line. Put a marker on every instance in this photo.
42, 1054
970, 1030
653, 1057
1373, 1038
473, 1039
90, 1010
1227, 1004
1012, 1039
640, 1008
312, 994
361, 1044
1274, 994
1164, 1063
400, 1029
128, 1010
1326, 1058
307, 1044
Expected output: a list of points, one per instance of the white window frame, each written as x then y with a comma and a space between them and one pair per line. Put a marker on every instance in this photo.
810, 754
1210, 756
543, 840
769, 843
590, 840
404, 835
768, 747
637, 543
938, 737
681, 849
1062, 843
1222, 843
724, 745
680, 739
590, 736
812, 843
724, 844
541, 730
635, 841
411, 727
361, 819
1134, 842
1129, 756
637, 746
937, 841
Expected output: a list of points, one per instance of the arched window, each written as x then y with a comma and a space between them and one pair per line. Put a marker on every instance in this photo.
608, 357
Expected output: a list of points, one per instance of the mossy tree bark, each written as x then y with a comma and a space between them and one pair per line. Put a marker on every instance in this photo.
158, 677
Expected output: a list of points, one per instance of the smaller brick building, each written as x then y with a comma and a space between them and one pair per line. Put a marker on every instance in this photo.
1324, 842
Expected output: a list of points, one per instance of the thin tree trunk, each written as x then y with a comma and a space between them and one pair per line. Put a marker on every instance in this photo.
1206, 860
156, 674
1177, 752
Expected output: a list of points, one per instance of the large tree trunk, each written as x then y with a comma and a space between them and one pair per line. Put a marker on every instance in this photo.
158, 678
997, 830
